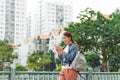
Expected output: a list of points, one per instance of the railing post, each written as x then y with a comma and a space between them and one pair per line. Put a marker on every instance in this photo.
12, 72
89, 76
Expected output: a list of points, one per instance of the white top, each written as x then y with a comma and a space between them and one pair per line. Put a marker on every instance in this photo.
66, 49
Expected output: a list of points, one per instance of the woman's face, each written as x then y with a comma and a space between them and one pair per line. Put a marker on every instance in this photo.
66, 40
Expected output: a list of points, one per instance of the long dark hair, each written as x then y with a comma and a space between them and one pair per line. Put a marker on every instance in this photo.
69, 35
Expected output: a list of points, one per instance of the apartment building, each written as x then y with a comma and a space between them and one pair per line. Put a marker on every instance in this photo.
54, 14
12, 20
2, 19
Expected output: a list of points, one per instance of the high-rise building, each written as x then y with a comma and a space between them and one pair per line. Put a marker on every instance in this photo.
54, 14
28, 24
12, 20
2, 18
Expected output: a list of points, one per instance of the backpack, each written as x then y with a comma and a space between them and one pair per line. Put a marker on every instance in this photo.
79, 63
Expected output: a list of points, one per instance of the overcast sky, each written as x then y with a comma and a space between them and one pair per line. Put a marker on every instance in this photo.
104, 6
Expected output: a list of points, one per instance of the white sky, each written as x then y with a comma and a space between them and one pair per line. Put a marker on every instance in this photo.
104, 6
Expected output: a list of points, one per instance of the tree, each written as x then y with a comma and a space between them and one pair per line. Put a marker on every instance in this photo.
41, 61
93, 59
114, 60
6, 53
52, 65
95, 32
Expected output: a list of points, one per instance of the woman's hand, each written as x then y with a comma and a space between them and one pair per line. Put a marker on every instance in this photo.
59, 49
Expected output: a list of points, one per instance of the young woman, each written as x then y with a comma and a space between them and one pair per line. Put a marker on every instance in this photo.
66, 56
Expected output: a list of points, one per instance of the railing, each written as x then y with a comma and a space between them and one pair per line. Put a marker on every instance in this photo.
46, 75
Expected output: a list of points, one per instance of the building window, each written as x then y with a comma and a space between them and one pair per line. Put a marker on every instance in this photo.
47, 41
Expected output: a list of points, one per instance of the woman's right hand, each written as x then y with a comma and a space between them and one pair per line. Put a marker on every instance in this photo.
59, 49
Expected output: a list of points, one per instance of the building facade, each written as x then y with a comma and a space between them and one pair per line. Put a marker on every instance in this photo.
2, 18
54, 14
12, 21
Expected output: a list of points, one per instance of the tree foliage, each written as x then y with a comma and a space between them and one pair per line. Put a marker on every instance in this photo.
95, 32
114, 60
41, 61
93, 59
52, 65
20, 68
6, 53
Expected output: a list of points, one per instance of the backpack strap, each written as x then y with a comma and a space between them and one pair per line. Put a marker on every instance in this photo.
72, 60
81, 76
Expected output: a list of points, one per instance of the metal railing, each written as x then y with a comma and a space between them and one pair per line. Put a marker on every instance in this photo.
51, 75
